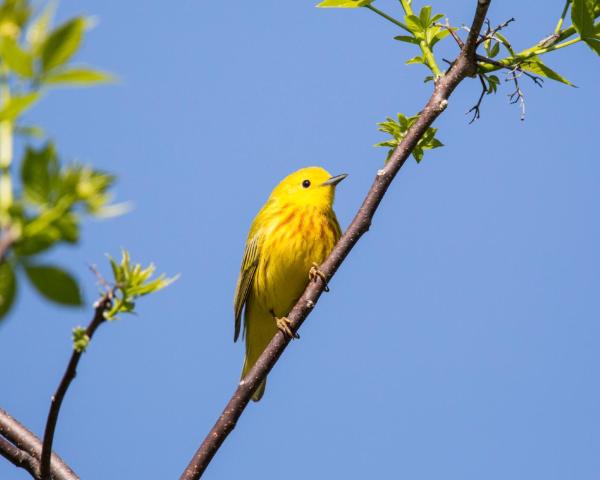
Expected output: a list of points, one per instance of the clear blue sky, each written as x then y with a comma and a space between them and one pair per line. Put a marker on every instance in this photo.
460, 338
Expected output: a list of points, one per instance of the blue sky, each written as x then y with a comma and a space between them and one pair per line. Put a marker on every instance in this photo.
459, 340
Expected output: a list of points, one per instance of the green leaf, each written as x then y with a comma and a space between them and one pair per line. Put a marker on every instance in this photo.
62, 43
436, 17
425, 15
32, 245
17, 59
17, 105
495, 49
39, 172
77, 76
68, 226
582, 16
8, 288
413, 23
407, 39
593, 43
344, 3
535, 65
414, 60
505, 43
54, 284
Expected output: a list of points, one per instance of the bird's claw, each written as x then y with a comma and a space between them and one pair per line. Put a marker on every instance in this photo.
315, 273
283, 324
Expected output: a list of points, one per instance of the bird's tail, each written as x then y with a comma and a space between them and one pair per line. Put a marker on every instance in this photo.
260, 329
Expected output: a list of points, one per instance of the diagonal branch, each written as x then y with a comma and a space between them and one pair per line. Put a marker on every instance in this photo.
465, 65
28, 449
101, 306
19, 458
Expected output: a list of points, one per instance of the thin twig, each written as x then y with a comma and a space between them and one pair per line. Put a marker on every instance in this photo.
517, 96
101, 306
452, 31
30, 444
491, 32
476, 108
539, 81
464, 66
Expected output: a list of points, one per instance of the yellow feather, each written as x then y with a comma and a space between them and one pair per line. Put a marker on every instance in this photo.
296, 228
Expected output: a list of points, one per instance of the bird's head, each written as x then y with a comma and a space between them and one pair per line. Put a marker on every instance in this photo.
312, 186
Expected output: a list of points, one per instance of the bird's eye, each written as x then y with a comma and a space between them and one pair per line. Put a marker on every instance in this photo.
306, 183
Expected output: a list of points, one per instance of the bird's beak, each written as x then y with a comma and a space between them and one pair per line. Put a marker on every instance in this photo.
335, 180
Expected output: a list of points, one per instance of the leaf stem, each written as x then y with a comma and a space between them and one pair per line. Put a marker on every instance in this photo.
427, 53
387, 17
406, 7
528, 53
562, 17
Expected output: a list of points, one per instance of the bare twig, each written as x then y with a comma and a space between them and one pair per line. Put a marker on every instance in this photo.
517, 95
30, 445
518, 67
476, 108
101, 306
491, 32
452, 31
465, 65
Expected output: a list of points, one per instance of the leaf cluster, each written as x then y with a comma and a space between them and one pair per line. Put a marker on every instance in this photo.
43, 201
398, 129
424, 31
131, 282
40, 55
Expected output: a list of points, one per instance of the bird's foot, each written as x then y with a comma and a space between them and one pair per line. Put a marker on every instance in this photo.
315, 273
283, 324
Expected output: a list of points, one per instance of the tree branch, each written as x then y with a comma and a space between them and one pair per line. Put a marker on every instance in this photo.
101, 306
30, 447
465, 65
19, 458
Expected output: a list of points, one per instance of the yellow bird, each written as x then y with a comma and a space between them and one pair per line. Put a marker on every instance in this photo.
292, 234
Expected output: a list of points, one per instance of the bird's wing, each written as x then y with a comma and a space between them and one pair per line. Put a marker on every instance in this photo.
244, 283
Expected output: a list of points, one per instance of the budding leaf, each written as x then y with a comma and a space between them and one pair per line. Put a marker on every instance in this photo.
80, 339
398, 129
133, 281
